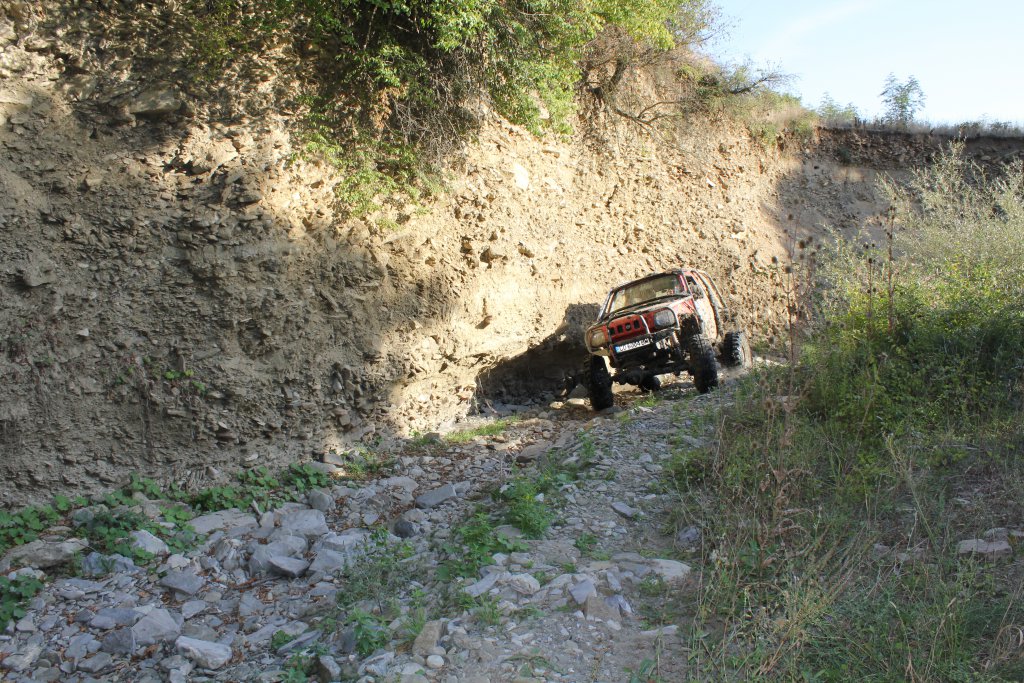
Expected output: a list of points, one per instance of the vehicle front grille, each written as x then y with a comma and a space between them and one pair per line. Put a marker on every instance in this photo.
624, 328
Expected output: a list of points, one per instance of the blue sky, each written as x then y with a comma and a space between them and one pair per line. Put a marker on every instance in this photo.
968, 57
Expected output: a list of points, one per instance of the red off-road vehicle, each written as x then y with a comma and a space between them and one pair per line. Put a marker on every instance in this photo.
662, 323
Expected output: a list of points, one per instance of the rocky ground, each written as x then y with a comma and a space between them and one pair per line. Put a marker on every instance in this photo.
589, 601
362, 581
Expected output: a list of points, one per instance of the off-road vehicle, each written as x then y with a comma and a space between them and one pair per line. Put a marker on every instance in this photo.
664, 323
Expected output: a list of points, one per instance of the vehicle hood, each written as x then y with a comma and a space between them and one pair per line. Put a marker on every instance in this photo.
666, 302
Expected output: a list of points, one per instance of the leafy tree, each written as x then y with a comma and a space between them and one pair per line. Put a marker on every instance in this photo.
833, 112
902, 100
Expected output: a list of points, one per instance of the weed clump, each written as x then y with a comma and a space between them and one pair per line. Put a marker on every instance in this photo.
838, 487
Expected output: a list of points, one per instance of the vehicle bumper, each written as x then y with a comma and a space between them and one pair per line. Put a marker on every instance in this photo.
649, 352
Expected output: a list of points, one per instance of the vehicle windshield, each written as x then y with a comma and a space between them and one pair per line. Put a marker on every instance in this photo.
645, 290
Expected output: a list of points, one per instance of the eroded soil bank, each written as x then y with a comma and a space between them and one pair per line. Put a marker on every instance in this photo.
181, 298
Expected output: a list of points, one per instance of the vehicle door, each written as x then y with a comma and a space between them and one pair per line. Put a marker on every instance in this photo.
702, 301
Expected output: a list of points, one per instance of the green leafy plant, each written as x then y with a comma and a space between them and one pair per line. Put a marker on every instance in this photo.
586, 542
280, 638
489, 429
475, 542
526, 508
902, 100
371, 632
487, 610
25, 525
14, 593
647, 672
380, 574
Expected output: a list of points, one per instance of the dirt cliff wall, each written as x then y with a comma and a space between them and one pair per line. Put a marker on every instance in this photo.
179, 293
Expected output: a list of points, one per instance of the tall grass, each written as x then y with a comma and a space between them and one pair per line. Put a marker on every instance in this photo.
841, 484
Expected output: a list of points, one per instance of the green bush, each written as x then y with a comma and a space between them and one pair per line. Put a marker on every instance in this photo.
907, 395
393, 85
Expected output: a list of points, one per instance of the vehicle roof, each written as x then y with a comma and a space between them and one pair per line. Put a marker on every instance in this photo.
673, 271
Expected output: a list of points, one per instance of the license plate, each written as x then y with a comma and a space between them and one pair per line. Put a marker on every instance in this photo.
639, 343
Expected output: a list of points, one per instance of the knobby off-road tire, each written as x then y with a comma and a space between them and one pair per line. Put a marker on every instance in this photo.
650, 383
736, 350
599, 384
703, 364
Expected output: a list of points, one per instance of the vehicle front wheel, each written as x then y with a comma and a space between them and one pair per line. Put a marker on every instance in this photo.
736, 349
599, 384
703, 365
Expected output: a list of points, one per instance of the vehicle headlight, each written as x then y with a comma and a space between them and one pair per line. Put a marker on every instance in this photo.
598, 337
664, 318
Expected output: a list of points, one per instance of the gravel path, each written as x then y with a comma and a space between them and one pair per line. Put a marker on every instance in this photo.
602, 596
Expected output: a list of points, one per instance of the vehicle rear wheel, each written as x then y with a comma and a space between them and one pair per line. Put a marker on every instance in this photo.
703, 364
599, 384
650, 383
736, 349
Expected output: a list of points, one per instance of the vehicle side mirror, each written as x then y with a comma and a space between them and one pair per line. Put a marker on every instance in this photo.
697, 291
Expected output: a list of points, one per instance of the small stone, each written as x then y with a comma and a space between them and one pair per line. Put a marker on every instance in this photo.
79, 647
305, 523
156, 627
405, 529
329, 562
204, 653
183, 582
482, 586
117, 616
194, 607
145, 541
328, 668
119, 642
289, 567
532, 452
435, 497
96, 663
223, 519
625, 510
306, 639
524, 584
670, 571
985, 549
414, 515
249, 605
435, 662
596, 608
42, 554
427, 638
175, 662
377, 665
23, 659
288, 546
156, 102
320, 500
583, 590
